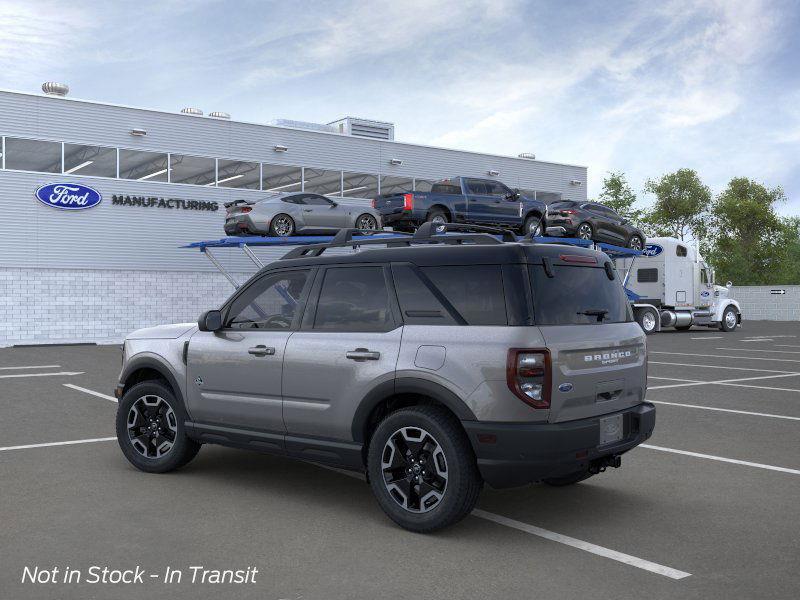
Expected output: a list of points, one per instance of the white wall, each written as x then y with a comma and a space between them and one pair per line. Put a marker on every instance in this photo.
759, 303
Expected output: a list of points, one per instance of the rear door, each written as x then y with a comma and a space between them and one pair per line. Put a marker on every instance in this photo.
597, 351
347, 345
234, 374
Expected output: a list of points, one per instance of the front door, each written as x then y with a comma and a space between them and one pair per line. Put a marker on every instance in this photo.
479, 202
234, 374
346, 347
323, 214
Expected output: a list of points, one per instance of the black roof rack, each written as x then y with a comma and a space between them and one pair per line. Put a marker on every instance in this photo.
426, 230
367, 237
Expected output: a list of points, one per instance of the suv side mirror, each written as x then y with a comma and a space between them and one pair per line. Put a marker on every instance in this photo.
211, 320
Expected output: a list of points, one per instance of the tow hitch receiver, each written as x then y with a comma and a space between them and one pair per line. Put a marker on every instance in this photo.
601, 464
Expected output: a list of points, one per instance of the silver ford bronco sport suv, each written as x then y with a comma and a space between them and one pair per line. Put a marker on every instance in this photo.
431, 363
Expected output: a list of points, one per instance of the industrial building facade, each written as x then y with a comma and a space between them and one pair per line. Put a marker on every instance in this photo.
93, 274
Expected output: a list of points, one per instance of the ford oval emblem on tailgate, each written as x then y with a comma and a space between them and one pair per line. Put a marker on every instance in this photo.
565, 387
68, 196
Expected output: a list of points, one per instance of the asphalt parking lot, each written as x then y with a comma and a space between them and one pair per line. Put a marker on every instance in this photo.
708, 509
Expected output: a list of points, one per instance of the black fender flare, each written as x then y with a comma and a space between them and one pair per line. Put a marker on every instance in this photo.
150, 362
407, 385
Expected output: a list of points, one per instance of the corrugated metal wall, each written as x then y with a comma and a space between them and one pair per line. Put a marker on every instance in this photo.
121, 237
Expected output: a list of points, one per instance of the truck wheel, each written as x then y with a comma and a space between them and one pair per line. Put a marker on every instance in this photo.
422, 469
647, 320
533, 226
729, 320
437, 216
568, 479
150, 429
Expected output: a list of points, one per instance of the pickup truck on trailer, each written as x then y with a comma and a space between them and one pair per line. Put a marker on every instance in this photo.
463, 200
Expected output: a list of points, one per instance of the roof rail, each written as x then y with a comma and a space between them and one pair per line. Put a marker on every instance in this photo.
426, 230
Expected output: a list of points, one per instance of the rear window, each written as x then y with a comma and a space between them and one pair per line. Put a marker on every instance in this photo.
577, 295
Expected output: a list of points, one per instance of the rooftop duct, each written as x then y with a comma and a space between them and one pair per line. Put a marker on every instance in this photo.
219, 115
192, 111
527, 155
51, 88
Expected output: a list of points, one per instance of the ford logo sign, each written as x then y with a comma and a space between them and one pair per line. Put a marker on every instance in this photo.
652, 250
68, 196
565, 387
705, 294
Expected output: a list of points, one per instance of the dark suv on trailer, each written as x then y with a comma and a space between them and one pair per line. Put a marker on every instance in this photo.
433, 365
594, 221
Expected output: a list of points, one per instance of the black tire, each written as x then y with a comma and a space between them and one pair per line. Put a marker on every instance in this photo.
276, 225
182, 448
437, 215
463, 482
532, 224
636, 242
570, 479
647, 320
582, 228
361, 221
729, 324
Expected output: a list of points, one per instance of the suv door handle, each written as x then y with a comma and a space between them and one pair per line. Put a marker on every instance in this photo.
363, 354
261, 351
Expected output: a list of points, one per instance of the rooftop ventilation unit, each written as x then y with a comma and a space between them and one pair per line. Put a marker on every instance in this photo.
527, 155
192, 111
303, 125
219, 115
376, 130
51, 88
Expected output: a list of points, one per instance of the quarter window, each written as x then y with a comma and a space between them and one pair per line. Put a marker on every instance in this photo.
272, 302
33, 155
475, 291
418, 303
354, 299
681, 250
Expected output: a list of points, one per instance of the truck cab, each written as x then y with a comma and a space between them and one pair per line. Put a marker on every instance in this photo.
674, 287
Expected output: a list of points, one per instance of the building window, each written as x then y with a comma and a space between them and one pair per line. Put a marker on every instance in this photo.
143, 166
280, 178
96, 161
423, 185
320, 181
359, 185
33, 155
194, 170
237, 174
396, 185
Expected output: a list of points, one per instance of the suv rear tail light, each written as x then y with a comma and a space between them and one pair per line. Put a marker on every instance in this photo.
246, 209
408, 201
528, 374
568, 212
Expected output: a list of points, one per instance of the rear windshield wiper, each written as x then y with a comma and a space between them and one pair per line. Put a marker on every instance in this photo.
600, 313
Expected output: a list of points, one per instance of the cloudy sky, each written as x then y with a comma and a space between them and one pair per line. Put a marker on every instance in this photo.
641, 87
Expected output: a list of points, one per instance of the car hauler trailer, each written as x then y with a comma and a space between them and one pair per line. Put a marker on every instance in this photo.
670, 285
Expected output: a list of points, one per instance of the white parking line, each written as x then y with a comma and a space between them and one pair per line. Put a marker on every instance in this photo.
725, 356
758, 350
92, 392
759, 340
40, 374
649, 377
31, 367
581, 545
727, 410
708, 337
722, 381
557, 537
722, 459
48, 444
656, 362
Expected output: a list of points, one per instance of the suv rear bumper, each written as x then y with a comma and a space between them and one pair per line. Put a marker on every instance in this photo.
527, 452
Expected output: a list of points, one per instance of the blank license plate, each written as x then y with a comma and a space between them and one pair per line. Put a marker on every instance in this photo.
610, 429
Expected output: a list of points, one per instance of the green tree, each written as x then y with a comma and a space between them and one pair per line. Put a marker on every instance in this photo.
618, 195
749, 243
681, 205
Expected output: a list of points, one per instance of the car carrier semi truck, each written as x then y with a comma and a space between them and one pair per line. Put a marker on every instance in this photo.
670, 285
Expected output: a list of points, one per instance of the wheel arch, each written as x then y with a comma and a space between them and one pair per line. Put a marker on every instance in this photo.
443, 207
401, 393
149, 368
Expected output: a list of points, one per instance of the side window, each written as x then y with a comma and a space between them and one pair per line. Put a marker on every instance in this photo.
294, 199
704, 276
354, 299
681, 250
315, 200
475, 291
495, 188
272, 302
476, 186
647, 275
417, 303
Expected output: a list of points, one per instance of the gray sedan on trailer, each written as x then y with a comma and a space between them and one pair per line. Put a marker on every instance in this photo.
295, 213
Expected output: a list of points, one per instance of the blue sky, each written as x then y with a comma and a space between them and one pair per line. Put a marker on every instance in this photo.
641, 87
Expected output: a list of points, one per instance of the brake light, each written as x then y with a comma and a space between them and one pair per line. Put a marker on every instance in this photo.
374, 200
577, 258
568, 211
528, 374
408, 201
246, 209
